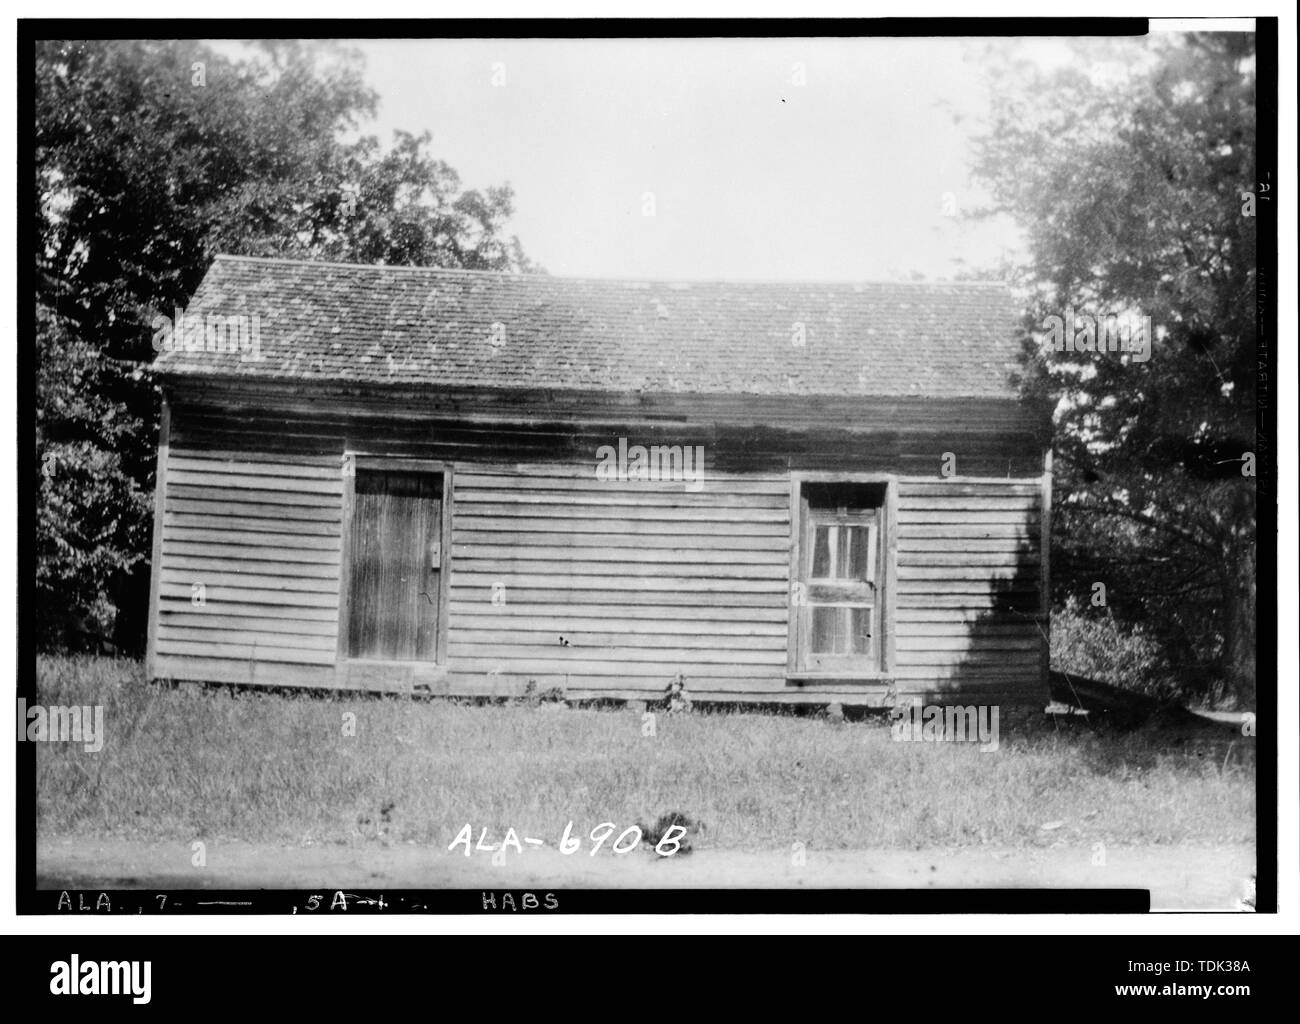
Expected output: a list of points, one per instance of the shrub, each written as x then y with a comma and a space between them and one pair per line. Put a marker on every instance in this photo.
1091, 642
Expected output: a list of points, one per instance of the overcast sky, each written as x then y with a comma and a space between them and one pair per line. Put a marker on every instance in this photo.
802, 159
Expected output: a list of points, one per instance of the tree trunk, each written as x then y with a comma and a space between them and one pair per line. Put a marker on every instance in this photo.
1238, 618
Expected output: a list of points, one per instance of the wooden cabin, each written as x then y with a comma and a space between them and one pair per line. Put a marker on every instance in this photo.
474, 484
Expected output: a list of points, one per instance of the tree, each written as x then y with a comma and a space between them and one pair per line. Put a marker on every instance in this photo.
1126, 173
151, 157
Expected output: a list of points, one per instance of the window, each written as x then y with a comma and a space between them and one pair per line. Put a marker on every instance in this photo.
840, 561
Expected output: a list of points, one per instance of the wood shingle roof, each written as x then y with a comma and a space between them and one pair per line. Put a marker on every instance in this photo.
420, 327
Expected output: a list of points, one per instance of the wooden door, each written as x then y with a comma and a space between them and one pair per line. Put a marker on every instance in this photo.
395, 583
840, 621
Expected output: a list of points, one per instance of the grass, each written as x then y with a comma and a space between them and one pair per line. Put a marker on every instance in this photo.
219, 764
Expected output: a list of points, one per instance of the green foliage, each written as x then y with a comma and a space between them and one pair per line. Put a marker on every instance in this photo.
1125, 172
148, 165
91, 513
1092, 643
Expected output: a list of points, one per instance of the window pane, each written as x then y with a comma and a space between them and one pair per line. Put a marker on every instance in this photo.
861, 563
828, 632
853, 564
842, 630
861, 630
822, 559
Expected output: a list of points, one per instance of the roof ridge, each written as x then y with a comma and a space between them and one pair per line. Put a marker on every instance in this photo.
666, 282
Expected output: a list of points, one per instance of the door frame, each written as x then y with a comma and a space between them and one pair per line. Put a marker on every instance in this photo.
352, 461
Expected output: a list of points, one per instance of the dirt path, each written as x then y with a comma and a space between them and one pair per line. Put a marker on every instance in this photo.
1178, 877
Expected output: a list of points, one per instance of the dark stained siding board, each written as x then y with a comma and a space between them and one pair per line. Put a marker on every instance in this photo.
605, 588
741, 434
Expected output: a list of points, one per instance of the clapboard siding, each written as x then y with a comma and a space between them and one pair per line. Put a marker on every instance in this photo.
620, 640
610, 589
969, 582
270, 580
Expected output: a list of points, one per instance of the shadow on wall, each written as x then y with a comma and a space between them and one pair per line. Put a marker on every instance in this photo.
1005, 656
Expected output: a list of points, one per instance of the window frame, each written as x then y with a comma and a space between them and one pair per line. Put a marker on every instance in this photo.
801, 539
